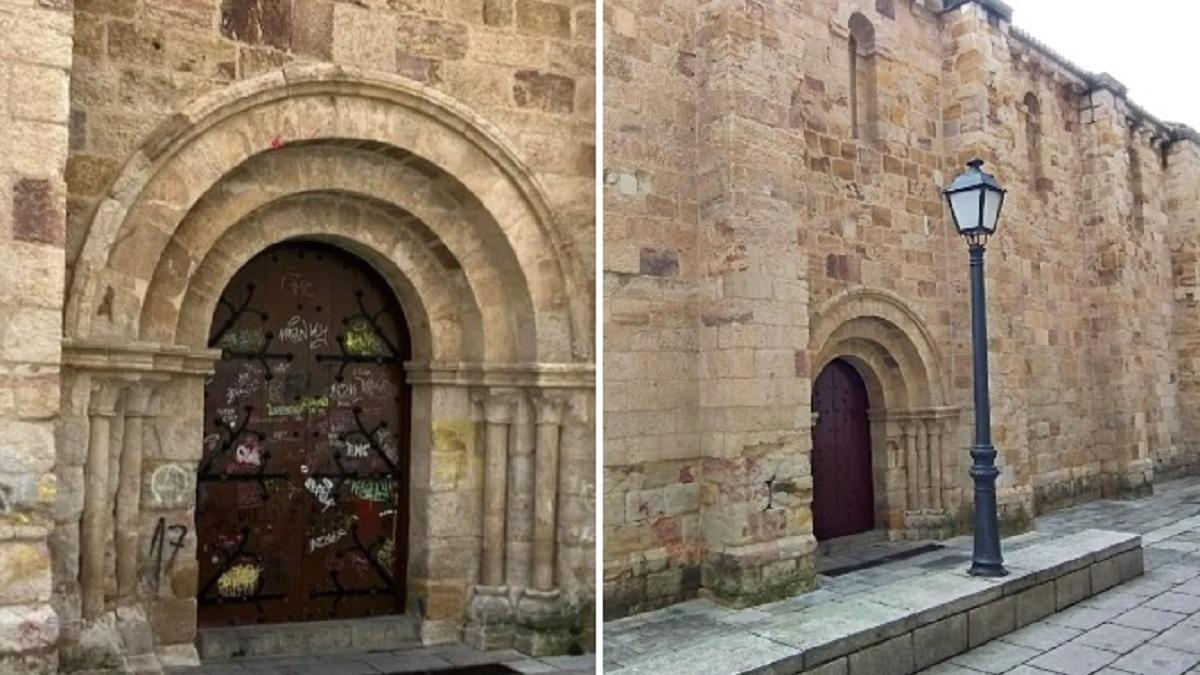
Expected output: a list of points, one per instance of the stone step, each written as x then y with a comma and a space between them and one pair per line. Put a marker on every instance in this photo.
312, 637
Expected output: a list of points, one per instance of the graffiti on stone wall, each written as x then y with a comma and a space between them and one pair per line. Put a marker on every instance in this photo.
165, 535
171, 486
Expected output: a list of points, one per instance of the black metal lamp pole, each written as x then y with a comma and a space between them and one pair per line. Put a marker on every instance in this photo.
975, 201
986, 560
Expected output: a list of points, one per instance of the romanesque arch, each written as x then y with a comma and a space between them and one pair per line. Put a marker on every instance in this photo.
888, 343
440, 205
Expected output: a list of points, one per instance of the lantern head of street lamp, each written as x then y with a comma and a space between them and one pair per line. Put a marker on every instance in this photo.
975, 201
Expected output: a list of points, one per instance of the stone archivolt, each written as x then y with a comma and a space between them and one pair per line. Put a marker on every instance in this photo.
501, 537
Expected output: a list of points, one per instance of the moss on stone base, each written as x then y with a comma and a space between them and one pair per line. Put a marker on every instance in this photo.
731, 583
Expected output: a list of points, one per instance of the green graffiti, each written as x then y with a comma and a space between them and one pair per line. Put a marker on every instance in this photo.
306, 404
361, 339
372, 489
243, 340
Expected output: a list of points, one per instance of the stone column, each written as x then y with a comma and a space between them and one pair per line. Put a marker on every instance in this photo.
519, 535
540, 614
96, 520
498, 415
921, 430
549, 421
935, 463
491, 610
912, 466
129, 491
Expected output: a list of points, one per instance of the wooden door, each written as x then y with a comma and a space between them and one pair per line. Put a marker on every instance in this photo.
302, 487
843, 490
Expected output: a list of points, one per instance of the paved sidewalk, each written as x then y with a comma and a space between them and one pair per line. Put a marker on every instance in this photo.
406, 661
1149, 626
1168, 521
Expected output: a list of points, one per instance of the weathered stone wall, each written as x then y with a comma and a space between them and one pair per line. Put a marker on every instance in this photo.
35, 62
821, 232
524, 69
527, 66
652, 431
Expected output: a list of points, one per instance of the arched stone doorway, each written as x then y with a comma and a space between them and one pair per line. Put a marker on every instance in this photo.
843, 481
499, 314
302, 488
885, 344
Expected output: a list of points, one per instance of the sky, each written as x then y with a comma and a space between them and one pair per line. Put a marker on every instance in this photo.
1152, 46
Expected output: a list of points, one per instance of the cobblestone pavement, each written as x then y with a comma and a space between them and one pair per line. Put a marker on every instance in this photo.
420, 660
1149, 626
1169, 522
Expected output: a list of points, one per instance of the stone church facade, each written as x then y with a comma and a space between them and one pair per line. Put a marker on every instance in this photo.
151, 152
776, 239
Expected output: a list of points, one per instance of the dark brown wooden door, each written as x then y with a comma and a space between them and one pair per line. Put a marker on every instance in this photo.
302, 487
843, 492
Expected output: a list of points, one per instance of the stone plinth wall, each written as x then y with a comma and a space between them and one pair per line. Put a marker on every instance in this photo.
35, 67
809, 225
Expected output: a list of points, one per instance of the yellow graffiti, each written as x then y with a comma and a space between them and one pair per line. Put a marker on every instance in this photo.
361, 339
307, 404
314, 403
239, 581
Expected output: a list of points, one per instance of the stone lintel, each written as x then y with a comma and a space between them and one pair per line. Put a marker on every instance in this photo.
138, 358
532, 375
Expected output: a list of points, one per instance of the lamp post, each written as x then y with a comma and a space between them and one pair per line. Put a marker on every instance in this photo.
975, 200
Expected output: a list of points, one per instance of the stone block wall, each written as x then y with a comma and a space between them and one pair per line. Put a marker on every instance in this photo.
35, 63
527, 66
817, 181
523, 68
652, 274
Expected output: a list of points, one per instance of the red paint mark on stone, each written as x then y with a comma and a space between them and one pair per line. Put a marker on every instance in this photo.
277, 143
667, 531
685, 474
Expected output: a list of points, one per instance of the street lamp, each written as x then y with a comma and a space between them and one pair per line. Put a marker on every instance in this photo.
975, 200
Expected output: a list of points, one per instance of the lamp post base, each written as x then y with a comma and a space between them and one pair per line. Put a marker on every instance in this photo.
987, 570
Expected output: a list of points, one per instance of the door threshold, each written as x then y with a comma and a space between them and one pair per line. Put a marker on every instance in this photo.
398, 631
866, 550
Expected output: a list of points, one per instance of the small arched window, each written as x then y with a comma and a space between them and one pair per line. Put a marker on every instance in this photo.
1033, 139
862, 77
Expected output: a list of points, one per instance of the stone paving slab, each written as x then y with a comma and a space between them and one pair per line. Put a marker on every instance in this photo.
1155, 629
378, 662
1167, 521
885, 627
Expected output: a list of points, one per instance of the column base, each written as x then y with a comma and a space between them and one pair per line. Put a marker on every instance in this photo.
118, 640
743, 576
545, 625
489, 619
929, 524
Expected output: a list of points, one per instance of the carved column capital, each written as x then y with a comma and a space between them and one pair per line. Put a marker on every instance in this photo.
141, 398
496, 406
106, 396
549, 408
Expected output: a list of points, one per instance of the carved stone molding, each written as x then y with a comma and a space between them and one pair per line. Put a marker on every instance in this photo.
134, 358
